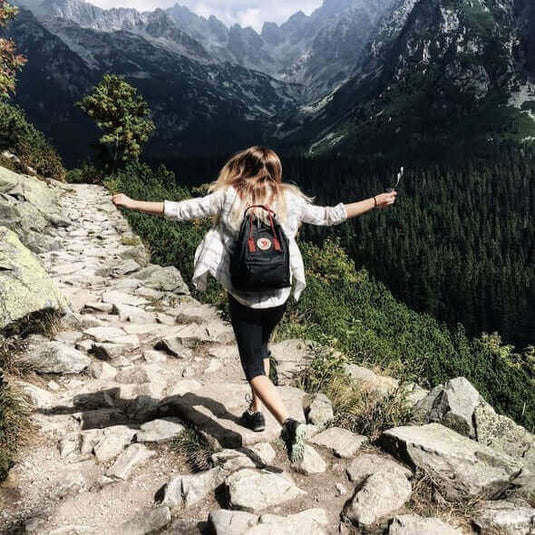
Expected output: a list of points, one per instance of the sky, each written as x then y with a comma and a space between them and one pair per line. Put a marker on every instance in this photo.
244, 12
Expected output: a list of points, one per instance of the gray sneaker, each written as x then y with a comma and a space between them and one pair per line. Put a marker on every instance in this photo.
292, 434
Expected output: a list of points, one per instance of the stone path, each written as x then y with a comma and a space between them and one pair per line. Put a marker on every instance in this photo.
136, 362
136, 357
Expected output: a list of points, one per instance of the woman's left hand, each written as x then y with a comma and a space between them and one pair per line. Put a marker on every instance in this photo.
385, 199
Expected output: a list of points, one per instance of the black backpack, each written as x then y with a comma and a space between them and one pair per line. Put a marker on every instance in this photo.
260, 259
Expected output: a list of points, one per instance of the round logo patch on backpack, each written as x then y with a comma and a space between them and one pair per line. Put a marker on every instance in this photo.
263, 244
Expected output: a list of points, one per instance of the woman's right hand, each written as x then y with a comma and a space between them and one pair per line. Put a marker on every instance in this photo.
386, 199
122, 200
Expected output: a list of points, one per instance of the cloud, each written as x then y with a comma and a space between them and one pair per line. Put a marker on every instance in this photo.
244, 12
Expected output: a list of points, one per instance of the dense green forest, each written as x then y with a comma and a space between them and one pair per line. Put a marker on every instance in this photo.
347, 308
459, 243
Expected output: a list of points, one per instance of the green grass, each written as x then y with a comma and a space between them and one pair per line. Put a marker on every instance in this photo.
15, 425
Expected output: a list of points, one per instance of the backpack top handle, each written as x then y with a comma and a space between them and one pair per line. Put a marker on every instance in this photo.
252, 245
267, 208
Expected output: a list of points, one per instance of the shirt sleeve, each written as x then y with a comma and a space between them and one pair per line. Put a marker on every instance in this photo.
321, 215
195, 208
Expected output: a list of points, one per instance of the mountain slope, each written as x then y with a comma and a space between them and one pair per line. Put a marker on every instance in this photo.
436, 72
320, 51
199, 107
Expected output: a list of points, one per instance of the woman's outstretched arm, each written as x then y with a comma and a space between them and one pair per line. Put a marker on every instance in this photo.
186, 210
383, 200
334, 215
122, 200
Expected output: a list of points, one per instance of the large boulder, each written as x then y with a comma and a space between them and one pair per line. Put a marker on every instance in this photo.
27, 206
29, 189
451, 404
461, 468
25, 287
459, 406
503, 434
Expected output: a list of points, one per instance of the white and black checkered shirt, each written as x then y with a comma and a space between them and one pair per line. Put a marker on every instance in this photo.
213, 253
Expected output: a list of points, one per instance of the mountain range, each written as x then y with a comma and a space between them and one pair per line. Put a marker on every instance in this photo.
378, 77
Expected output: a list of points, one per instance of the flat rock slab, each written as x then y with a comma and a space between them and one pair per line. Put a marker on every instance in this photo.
371, 463
216, 410
256, 456
461, 468
55, 357
196, 313
146, 522
254, 490
113, 441
342, 442
191, 488
380, 495
115, 297
160, 430
418, 525
507, 517
104, 334
129, 460
225, 522
309, 522
311, 463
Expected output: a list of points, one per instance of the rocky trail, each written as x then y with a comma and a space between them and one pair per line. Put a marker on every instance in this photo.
137, 362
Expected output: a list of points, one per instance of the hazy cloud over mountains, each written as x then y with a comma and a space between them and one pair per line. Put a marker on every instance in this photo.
244, 12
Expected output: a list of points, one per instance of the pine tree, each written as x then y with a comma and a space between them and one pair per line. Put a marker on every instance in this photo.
123, 115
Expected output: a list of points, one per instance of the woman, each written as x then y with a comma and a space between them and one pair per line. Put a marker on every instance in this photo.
254, 176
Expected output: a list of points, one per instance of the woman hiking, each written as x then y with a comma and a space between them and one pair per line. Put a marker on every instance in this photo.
254, 177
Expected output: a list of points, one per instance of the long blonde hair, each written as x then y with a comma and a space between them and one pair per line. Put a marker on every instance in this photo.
256, 174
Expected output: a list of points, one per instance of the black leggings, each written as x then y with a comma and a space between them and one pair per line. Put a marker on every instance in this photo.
253, 327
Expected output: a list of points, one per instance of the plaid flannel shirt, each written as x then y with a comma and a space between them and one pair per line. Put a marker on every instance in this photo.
212, 256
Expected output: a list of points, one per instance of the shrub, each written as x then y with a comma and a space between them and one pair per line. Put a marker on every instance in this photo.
21, 138
194, 449
87, 173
